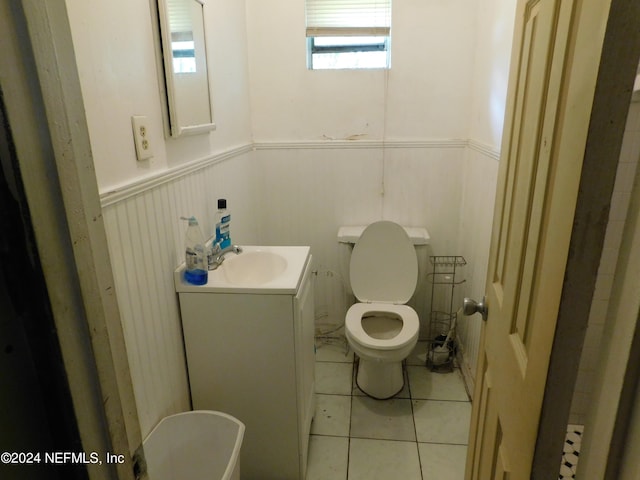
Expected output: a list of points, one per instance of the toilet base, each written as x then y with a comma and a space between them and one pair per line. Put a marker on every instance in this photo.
380, 380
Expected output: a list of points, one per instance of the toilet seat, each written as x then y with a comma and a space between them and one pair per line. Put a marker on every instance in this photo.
407, 334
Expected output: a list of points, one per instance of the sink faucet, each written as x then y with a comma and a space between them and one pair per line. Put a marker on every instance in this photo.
217, 255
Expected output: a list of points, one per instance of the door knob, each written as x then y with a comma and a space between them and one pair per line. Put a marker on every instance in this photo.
470, 307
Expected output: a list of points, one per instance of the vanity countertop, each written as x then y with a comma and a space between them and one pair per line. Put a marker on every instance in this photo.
291, 262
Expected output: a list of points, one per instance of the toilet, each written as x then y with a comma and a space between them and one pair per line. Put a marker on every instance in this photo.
380, 328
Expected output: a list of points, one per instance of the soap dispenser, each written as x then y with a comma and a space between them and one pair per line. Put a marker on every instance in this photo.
196, 271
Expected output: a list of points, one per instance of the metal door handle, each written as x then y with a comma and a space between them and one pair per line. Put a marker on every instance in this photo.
470, 307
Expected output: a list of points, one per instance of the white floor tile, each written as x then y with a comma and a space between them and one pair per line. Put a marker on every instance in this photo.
442, 462
383, 460
566, 471
332, 415
328, 457
382, 419
334, 378
421, 434
429, 385
442, 421
575, 428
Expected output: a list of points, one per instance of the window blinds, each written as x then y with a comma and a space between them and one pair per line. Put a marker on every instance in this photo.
348, 17
179, 13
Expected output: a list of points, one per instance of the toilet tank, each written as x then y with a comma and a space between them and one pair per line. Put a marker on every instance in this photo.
349, 235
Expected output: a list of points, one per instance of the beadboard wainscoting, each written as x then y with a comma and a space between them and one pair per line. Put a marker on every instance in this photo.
448, 186
288, 193
314, 188
476, 220
146, 243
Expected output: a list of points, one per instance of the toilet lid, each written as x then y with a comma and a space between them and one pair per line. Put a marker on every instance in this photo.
384, 266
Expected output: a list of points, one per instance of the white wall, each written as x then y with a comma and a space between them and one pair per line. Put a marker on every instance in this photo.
425, 95
115, 51
495, 20
114, 45
306, 118
116, 63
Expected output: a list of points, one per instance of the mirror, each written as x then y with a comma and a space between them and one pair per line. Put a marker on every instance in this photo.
185, 66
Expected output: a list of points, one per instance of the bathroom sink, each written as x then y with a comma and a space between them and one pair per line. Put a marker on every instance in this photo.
254, 267
258, 269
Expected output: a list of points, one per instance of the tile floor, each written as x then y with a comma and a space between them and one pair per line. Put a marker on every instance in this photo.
420, 434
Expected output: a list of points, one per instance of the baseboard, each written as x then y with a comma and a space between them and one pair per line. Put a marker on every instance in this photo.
467, 374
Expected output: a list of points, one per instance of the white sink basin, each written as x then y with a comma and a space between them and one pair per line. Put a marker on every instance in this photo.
253, 268
258, 269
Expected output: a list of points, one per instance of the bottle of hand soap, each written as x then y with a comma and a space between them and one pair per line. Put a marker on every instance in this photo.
223, 224
196, 271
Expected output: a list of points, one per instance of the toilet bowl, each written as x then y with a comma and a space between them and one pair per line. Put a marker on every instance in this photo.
380, 328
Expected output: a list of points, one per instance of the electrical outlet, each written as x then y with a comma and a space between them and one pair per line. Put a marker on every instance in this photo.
141, 137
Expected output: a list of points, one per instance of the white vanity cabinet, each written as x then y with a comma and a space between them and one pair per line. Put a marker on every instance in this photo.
251, 354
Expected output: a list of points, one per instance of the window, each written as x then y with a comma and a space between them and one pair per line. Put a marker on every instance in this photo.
348, 33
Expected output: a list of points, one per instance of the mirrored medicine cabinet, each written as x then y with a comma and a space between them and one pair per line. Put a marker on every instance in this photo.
184, 61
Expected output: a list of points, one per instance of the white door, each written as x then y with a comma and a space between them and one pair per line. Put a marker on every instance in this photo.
551, 89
